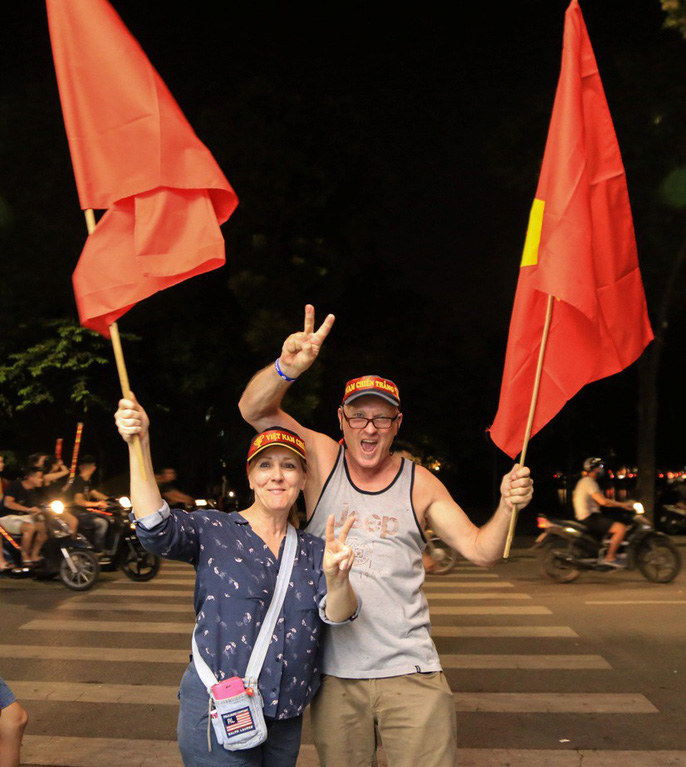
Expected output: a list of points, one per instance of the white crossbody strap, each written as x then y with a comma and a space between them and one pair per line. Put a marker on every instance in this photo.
259, 651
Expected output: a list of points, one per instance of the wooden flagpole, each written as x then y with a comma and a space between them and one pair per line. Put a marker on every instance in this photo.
119, 359
532, 412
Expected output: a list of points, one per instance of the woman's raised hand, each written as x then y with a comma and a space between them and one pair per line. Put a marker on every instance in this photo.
131, 419
338, 556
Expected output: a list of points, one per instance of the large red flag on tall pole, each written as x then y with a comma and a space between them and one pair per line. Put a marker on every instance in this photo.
135, 155
580, 249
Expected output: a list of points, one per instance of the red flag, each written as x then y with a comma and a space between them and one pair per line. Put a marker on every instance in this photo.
134, 154
581, 249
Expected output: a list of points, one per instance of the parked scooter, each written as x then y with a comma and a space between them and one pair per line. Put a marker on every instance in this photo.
672, 519
568, 547
68, 555
123, 551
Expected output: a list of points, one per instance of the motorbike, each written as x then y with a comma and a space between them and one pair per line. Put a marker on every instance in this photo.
123, 551
65, 554
568, 547
672, 519
444, 557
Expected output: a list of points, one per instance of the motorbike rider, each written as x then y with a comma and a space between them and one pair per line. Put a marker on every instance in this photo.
592, 508
166, 480
88, 501
18, 510
54, 470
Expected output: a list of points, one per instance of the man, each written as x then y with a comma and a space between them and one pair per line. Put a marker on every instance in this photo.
88, 500
171, 494
17, 513
385, 670
588, 500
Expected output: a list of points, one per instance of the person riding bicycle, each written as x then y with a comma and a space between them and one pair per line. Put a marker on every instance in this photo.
593, 508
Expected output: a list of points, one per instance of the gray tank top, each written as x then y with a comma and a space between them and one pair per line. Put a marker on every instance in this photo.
391, 635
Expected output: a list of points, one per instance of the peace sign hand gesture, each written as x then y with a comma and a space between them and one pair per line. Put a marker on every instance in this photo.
301, 349
338, 556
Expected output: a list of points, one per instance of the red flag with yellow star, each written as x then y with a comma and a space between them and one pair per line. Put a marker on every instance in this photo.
581, 249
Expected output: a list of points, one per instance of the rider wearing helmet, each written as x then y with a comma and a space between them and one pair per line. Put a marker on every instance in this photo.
593, 508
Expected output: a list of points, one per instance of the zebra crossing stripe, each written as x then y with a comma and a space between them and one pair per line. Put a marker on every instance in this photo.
118, 627
554, 702
111, 654
539, 662
134, 591
501, 757
509, 632
491, 610
478, 585
79, 692
145, 607
433, 581
473, 595
150, 585
638, 602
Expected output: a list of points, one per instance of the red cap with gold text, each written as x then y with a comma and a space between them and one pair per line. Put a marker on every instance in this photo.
276, 437
380, 387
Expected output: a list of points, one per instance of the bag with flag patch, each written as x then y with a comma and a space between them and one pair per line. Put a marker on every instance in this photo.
238, 722
235, 707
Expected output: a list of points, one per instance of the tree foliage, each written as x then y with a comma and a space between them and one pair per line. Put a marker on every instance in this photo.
59, 365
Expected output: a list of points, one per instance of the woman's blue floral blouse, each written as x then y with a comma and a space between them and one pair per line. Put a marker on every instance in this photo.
236, 576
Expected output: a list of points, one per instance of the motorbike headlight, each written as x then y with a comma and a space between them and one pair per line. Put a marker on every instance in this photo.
638, 508
125, 502
57, 507
200, 502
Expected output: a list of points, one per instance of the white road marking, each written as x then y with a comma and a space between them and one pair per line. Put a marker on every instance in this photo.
118, 627
490, 610
106, 655
540, 662
510, 632
554, 702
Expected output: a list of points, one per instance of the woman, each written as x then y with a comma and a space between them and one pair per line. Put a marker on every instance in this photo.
236, 557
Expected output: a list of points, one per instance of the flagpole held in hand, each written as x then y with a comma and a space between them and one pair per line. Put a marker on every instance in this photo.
532, 412
119, 359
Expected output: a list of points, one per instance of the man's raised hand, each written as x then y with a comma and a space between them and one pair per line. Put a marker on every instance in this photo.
517, 487
301, 349
338, 556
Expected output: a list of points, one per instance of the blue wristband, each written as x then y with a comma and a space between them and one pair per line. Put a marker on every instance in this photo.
281, 373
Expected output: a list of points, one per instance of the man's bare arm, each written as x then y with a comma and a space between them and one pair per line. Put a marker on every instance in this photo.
481, 545
602, 500
260, 404
10, 503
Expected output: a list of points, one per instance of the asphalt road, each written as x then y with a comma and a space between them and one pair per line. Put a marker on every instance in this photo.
589, 673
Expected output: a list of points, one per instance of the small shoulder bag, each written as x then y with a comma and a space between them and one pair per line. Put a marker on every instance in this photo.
235, 705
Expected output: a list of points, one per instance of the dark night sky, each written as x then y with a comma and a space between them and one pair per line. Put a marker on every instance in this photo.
425, 102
